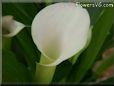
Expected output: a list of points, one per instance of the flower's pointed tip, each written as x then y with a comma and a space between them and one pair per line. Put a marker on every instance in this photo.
12, 26
17, 28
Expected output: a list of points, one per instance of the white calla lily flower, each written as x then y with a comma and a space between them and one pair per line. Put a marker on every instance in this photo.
10, 26
61, 31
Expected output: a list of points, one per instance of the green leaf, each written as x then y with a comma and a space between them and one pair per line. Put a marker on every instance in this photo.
94, 13
62, 71
6, 43
27, 49
13, 71
87, 58
109, 42
106, 45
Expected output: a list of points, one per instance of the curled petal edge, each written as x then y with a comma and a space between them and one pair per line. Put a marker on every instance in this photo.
58, 61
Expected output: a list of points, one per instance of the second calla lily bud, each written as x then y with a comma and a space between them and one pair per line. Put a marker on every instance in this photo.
10, 26
61, 31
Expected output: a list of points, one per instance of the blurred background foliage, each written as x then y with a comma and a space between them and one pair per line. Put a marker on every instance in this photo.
94, 65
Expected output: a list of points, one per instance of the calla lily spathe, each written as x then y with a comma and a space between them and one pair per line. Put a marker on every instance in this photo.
10, 26
61, 31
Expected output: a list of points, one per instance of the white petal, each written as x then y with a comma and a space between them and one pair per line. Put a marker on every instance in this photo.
60, 31
12, 26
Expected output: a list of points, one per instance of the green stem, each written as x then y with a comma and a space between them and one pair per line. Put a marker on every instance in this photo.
6, 43
44, 74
